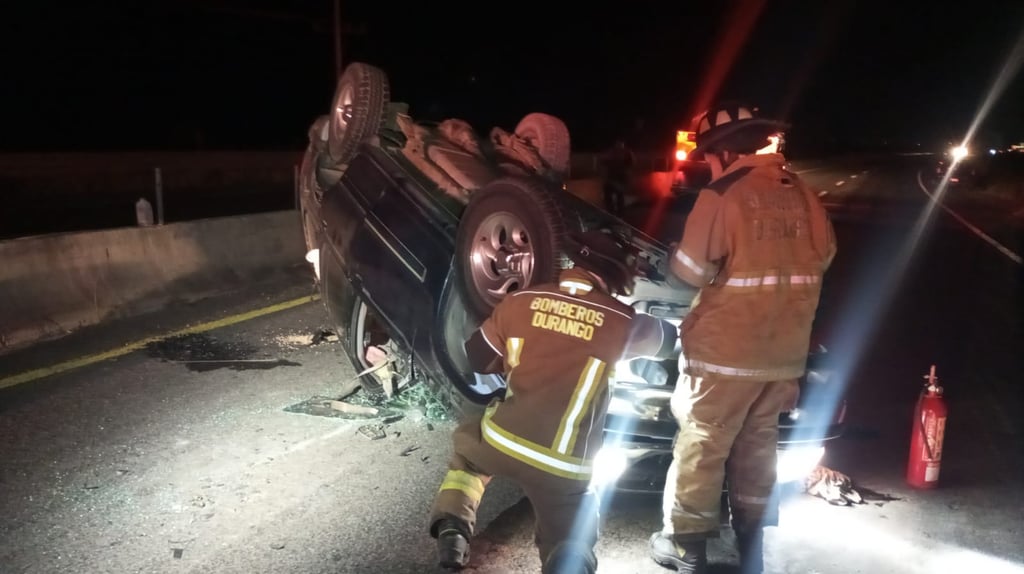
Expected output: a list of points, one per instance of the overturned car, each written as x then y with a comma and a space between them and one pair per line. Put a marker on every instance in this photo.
416, 230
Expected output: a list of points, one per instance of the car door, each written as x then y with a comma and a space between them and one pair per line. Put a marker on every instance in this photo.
343, 212
404, 251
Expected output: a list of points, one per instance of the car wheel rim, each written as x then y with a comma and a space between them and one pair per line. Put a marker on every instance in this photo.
502, 257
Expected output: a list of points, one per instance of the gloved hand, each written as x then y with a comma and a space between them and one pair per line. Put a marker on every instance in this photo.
664, 268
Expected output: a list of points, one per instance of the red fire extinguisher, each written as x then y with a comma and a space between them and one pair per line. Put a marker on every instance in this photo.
926, 437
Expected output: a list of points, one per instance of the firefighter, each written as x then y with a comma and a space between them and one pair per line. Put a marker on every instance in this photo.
618, 164
557, 345
757, 244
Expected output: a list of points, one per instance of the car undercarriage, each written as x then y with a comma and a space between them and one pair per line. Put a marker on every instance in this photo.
416, 230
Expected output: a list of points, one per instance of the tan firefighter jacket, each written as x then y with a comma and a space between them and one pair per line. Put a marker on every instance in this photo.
757, 242
558, 346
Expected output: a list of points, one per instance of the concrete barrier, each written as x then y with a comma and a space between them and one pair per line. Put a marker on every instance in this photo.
51, 285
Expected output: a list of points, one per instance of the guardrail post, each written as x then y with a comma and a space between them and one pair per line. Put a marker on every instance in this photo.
158, 184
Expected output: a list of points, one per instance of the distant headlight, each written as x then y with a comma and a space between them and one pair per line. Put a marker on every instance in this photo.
958, 153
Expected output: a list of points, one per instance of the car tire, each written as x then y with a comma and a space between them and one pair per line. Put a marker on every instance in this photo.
550, 136
510, 237
357, 111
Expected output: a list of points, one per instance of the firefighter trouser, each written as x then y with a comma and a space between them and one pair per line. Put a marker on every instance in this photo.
565, 512
725, 426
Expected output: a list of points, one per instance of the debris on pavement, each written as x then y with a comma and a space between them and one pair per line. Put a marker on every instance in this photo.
294, 340
418, 396
409, 450
324, 335
353, 409
834, 486
423, 398
380, 365
373, 432
876, 498
334, 408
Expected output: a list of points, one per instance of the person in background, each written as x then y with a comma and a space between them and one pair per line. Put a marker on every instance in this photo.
618, 165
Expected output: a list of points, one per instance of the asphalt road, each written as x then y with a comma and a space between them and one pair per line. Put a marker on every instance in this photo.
181, 457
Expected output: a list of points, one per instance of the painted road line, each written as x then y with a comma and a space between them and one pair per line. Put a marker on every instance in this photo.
79, 362
984, 236
809, 170
840, 182
853, 176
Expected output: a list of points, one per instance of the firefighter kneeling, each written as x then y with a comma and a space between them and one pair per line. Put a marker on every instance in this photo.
557, 345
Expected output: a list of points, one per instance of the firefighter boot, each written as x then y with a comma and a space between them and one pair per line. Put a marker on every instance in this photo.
750, 544
570, 559
688, 557
452, 544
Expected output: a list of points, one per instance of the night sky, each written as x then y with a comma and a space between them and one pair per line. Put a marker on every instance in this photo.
252, 74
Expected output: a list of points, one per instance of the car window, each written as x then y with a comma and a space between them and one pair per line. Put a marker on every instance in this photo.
366, 179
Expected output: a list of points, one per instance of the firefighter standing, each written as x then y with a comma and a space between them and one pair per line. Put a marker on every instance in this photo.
557, 345
757, 243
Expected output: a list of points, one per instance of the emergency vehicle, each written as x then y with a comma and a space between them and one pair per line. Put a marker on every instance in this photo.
690, 172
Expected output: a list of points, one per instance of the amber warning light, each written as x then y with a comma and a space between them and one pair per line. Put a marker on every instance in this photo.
685, 142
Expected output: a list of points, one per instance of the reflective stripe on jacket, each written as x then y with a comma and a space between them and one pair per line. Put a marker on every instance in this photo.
559, 344
758, 242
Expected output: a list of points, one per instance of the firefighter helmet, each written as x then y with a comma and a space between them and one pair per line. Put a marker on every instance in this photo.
733, 126
607, 256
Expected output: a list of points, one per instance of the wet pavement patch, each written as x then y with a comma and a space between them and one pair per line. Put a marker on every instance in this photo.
202, 352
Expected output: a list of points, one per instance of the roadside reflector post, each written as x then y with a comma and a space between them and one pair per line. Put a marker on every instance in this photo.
158, 185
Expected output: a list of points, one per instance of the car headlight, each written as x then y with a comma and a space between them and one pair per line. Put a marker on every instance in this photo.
620, 406
796, 463
644, 403
609, 464
313, 256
